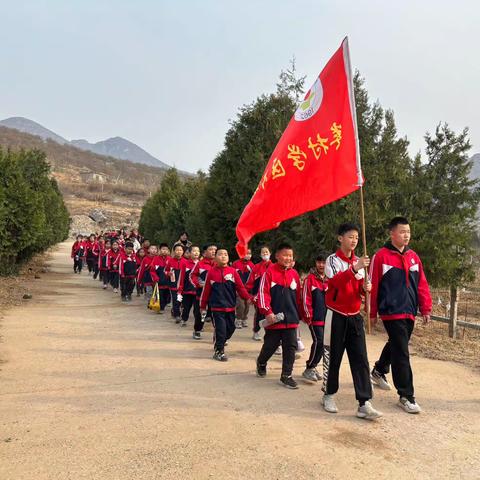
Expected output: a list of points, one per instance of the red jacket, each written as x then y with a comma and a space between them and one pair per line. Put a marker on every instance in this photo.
244, 268
173, 268
78, 249
253, 282
399, 286
185, 286
143, 274
157, 271
313, 299
112, 257
199, 272
127, 265
103, 259
345, 288
221, 286
280, 292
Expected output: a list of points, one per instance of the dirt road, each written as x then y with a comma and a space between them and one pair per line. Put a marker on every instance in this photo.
93, 389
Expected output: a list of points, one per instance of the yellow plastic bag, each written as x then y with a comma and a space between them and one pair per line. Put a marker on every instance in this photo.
154, 302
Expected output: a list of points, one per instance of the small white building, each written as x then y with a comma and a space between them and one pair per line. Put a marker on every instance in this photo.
93, 177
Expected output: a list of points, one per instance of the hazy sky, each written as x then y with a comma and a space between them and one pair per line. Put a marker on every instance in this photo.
168, 75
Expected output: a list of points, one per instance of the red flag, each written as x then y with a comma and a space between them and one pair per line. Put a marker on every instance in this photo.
317, 159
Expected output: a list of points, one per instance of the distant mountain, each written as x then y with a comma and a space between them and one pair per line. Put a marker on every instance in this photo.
475, 173
116, 147
33, 128
121, 148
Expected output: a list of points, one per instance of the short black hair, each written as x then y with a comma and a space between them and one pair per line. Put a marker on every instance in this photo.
163, 245
347, 227
179, 245
221, 248
207, 246
321, 257
129, 245
283, 246
397, 221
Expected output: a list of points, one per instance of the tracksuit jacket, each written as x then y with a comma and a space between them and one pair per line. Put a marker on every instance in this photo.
174, 265
112, 257
185, 286
78, 249
199, 272
103, 260
127, 265
399, 285
345, 287
253, 282
144, 276
220, 290
280, 292
244, 268
157, 271
313, 299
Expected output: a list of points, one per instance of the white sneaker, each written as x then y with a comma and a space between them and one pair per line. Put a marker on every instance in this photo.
309, 374
244, 324
256, 336
329, 405
408, 406
300, 346
115, 290
380, 380
367, 412
238, 324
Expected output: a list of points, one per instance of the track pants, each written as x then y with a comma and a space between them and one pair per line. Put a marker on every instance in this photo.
395, 353
188, 302
316, 351
242, 308
126, 286
77, 264
256, 319
342, 333
91, 261
105, 276
272, 340
224, 324
164, 297
175, 304
114, 278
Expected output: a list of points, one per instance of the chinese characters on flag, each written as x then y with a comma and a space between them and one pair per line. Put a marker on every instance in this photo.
316, 161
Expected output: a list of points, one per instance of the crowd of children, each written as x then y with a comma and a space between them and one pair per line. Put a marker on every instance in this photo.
204, 282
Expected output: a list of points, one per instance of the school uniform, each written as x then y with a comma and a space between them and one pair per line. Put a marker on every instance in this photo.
197, 277
314, 311
144, 276
139, 285
188, 291
344, 329
157, 272
399, 290
95, 252
221, 287
78, 253
279, 292
243, 268
253, 285
172, 271
103, 265
113, 274
127, 269
91, 259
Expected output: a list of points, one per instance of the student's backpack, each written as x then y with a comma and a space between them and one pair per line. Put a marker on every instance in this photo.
154, 303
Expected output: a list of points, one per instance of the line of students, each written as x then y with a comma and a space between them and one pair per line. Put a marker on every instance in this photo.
328, 301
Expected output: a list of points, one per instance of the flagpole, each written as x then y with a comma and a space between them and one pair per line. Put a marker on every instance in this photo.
348, 69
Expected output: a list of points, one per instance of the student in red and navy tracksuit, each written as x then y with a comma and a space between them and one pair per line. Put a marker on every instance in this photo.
91, 259
103, 263
197, 277
220, 291
279, 292
157, 271
187, 293
112, 257
314, 311
140, 255
78, 253
172, 271
244, 267
127, 268
344, 328
144, 276
399, 290
97, 246
253, 284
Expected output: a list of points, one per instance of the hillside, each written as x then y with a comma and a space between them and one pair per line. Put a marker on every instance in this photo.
116, 147
121, 193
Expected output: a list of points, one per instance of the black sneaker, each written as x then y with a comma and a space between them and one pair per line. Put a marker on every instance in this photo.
220, 356
261, 370
197, 335
288, 382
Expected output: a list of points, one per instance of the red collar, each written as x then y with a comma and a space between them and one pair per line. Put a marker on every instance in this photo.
342, 256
